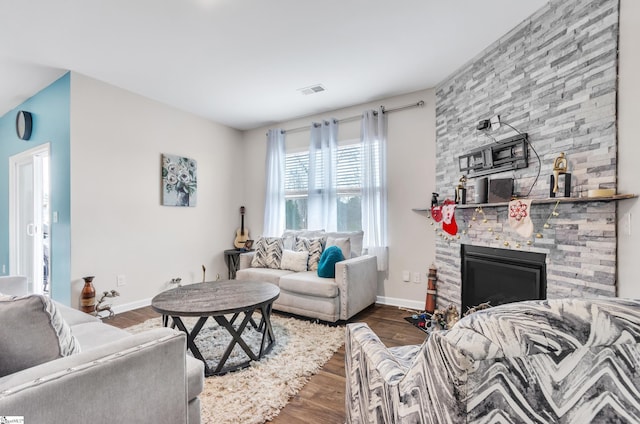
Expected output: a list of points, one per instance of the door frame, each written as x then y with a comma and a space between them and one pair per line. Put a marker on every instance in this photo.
13, 202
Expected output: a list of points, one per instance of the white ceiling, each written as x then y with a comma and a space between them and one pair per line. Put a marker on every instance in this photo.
240, 62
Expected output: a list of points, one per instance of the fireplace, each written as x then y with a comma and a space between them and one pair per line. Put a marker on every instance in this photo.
501, 276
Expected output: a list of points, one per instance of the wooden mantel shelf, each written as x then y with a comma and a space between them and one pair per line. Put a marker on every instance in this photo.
548, 200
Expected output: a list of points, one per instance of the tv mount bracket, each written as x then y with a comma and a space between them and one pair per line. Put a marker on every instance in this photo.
504, 155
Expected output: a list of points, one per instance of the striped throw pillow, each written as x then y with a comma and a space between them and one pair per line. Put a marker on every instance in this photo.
268, 253
314, 247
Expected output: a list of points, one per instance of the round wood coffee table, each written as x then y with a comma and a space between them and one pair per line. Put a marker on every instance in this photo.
217, 299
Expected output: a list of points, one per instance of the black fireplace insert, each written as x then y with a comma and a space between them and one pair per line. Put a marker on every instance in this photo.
501, 276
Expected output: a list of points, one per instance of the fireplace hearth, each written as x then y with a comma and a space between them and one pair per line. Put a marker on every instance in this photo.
501, 276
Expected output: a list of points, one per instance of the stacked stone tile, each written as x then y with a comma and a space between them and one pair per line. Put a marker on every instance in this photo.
554, 77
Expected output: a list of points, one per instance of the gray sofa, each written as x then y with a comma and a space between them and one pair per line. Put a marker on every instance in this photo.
552, 361
117, 376
354, 287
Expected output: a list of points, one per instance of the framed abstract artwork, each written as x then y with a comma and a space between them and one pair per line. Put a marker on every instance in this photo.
179, 181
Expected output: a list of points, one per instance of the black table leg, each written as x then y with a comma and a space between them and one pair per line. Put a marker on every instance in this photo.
191, 337
267, 342
236, 337
235, 264
267, 330
232, 259
228, 261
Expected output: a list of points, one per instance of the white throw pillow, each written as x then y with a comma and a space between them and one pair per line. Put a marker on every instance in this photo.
294, 261
343, 243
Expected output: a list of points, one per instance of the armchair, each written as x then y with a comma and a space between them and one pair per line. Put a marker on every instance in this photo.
563, 360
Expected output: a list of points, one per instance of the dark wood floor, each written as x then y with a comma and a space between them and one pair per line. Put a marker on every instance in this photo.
321, 400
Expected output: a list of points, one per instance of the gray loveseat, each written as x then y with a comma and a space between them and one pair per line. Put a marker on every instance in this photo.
354, 287
116, 377
551, 361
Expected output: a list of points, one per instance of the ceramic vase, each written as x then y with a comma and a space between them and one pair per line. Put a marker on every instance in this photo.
88, 296
182, 199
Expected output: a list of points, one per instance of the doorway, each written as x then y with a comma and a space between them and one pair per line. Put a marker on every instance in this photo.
29, 218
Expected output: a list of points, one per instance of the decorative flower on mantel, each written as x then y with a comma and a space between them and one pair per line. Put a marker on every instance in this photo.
179, 181
519, 219
518, 210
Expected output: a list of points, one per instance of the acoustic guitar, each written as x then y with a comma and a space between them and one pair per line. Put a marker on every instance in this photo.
242, 234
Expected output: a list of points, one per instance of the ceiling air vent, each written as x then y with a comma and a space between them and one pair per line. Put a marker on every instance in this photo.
312, 90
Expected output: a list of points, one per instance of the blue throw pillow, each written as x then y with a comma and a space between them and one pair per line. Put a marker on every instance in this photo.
327, 264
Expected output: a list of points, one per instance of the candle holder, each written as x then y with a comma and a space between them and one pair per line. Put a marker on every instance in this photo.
107, 306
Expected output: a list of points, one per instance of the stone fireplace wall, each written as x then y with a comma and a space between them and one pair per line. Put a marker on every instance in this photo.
554, 77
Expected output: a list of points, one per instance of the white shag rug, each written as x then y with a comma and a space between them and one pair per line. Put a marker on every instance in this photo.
257, 393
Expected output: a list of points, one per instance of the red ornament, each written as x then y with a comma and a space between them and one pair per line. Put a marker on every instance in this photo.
436, 213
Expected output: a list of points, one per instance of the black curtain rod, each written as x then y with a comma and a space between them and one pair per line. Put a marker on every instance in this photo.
354, 118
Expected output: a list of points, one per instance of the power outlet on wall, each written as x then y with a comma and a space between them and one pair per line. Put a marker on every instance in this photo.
121, 280
416, 277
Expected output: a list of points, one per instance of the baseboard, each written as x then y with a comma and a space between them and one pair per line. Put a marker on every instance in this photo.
404, 303
383, 300
118, 309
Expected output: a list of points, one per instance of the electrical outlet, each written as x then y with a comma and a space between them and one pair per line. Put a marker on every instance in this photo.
416, 277
406, 276
4, 269
121, 280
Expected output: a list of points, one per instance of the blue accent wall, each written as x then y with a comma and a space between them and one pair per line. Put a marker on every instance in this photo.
51, 124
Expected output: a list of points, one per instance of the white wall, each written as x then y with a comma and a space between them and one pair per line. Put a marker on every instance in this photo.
118, 225
411, 174
629, 148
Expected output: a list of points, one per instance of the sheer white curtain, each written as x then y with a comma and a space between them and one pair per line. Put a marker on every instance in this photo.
322, 203
374, 185
274, 204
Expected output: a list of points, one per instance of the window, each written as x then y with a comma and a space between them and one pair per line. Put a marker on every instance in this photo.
348, 188
295, 189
